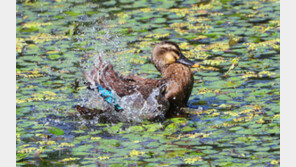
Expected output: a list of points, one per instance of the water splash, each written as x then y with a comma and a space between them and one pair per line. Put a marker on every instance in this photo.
135, 107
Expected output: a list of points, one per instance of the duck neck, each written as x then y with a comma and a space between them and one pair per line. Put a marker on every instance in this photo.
176, 70
173, 69
163, 69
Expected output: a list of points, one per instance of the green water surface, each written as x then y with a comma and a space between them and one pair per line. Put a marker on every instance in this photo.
235, 120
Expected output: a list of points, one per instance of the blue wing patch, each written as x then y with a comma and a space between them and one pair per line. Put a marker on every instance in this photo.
108, 97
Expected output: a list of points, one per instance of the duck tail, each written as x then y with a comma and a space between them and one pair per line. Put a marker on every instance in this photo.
87, 112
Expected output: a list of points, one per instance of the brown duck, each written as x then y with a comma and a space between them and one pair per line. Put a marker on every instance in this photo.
165, 96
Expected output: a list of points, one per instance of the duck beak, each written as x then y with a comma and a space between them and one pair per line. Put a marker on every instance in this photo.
196, 65
183, 60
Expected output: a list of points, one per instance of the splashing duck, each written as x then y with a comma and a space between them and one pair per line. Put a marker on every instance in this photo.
161, 97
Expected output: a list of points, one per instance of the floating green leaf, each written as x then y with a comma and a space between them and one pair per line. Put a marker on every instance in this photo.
56, 131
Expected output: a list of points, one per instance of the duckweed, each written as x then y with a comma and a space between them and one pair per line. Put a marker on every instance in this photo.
234, 106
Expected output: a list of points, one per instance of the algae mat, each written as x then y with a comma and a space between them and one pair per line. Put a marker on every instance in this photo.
235, 118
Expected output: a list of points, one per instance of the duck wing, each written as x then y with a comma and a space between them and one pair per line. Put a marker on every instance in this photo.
108, 82
108, 79
105, 77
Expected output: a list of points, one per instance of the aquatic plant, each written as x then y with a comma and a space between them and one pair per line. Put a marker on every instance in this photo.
235, 118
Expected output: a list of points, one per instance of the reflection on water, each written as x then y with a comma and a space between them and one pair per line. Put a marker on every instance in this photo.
235, 119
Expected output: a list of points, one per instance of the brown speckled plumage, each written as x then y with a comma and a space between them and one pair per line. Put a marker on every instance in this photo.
174, 87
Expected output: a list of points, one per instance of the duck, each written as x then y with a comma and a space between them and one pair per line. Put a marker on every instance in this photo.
152, 99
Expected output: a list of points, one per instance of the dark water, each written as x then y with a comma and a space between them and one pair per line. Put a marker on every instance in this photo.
235, 119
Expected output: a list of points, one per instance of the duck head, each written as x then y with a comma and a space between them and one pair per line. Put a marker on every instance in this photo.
167, 53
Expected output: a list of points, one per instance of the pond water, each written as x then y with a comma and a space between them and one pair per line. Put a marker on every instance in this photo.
235, 120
